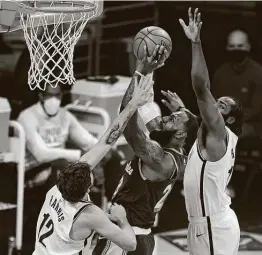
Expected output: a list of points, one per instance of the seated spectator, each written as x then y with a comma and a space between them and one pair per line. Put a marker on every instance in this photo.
48, 126
241, 77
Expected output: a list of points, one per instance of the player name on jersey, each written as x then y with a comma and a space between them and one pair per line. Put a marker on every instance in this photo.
54, 203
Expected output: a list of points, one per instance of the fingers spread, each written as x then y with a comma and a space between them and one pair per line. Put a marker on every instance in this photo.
182, 23
198, 18
164, 93
166, 103
155, 52
167, 95
145, 52
190, 16
195, 15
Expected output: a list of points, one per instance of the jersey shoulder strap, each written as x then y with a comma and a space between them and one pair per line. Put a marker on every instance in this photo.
81, 208
179, 159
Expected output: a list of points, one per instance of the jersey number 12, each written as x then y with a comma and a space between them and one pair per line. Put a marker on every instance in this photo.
49, 227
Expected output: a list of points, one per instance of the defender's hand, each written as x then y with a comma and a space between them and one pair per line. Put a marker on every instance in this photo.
150, 63
192, 31
142, 91
173, 101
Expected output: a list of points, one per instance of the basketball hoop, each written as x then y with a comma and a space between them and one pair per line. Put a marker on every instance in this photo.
51, 31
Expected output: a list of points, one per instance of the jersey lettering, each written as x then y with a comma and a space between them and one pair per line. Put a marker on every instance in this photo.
49, 226
161, 202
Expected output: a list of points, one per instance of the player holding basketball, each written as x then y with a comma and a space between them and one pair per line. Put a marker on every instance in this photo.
213, 225
68, 217
150, 176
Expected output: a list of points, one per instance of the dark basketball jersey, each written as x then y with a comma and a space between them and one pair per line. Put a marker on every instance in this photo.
141, 198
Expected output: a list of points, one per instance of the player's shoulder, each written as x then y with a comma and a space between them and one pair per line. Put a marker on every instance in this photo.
231, 135
179, 157
90, 214
177, 153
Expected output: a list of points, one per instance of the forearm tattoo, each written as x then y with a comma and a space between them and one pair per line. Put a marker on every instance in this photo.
143, 147
113, 135
118, 129
128, 95
140, 143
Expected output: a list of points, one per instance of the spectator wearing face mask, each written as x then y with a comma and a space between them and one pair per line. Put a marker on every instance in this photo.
241, 77
48, 127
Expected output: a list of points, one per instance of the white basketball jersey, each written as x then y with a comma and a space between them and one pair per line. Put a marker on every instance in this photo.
205, 182
54, 224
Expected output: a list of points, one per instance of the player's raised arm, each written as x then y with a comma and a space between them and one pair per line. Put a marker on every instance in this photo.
148, 150
140, 96
211, 117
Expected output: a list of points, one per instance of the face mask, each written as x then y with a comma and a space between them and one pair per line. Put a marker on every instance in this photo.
237, 56
51, 106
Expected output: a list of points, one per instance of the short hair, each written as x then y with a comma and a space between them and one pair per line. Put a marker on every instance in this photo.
74, 181
237, 112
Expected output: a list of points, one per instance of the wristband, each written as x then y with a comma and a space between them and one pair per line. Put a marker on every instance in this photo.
138, 73
196, 42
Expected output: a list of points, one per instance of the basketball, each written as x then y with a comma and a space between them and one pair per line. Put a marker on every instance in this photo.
151, 36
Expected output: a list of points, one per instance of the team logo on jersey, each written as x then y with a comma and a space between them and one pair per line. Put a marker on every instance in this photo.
129, 169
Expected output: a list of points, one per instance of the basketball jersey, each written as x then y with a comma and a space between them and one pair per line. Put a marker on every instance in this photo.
54, 224
205, 182
142, 198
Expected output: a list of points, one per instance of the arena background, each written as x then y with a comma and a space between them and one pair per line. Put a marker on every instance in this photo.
107, 51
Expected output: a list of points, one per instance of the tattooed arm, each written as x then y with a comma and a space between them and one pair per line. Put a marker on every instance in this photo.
107, 141
148, 150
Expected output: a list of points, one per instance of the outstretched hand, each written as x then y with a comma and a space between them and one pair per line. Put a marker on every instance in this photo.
150, 63
192, 31
173, 102
142, 90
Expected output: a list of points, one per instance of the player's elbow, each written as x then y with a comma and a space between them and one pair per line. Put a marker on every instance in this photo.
131, 246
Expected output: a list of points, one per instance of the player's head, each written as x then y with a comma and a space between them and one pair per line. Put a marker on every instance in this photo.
75, 181
238, 46
51, 100
232, 112
175, 128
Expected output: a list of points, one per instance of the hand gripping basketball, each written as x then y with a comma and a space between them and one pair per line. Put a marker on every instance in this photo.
150, 63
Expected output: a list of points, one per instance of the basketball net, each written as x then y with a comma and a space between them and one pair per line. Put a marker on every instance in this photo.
51, 47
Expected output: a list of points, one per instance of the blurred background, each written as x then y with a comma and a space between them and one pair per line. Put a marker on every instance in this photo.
104, 53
